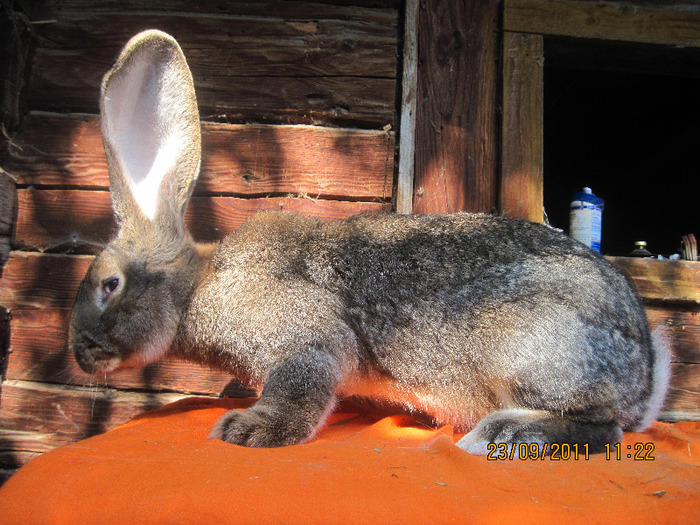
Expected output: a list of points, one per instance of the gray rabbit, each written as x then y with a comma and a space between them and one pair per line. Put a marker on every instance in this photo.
498, 325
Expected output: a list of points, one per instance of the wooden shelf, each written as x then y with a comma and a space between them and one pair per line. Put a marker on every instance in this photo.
669, 25
663, 281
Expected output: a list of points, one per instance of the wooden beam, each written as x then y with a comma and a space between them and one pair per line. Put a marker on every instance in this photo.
15, 51
456, 132
521, 188
66, 151
72, 413
245, 68
34, 280
407, 142
682, 399
682, 326
82, 220
622, 57
673, 25
663, 281
333, 9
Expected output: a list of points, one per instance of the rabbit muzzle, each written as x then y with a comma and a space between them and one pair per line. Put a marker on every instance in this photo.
93, 357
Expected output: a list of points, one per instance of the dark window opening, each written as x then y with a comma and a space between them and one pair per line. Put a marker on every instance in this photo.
634, 138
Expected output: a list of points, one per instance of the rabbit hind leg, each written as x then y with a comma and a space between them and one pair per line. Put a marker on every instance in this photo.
539, 428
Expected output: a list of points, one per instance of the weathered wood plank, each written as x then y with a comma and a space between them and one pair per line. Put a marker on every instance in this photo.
236, 46
682, 326
409, 87
34, 280
662, 280
337, 101
66, 150
683, 394
456, 133
375, 10
25, 444
70, 220
522, 142
622, 57
72, 413
39, 352
15, 50
605, 21
252, 68
17, 447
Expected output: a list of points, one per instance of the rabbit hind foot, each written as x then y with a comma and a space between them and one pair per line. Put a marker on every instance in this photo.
540, 429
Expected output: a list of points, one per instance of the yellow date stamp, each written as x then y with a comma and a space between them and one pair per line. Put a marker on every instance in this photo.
566, 451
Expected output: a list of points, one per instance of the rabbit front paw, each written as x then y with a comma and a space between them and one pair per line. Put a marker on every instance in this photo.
260, 428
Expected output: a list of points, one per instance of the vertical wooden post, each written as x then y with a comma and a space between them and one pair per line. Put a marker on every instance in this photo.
521, 185
456, 117
15, 44
407, 143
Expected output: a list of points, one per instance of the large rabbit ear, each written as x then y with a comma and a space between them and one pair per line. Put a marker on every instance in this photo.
151, 131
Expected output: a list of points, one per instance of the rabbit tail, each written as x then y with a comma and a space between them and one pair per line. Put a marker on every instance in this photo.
661, 377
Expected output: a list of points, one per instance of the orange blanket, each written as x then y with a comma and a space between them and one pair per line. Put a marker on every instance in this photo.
361, 468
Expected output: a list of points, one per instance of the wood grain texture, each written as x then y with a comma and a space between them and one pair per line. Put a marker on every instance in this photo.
658, 24
407, 131
15, 52
66, 151
82, 220
663, 281
72, 413
335, 9
522, 137
456, 131
683, 395
260, 68
34, 280
300, 42
682, 326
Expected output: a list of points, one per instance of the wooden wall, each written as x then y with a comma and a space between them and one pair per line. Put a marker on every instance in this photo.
297, 101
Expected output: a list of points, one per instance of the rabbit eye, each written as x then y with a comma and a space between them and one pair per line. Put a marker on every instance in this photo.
110, 285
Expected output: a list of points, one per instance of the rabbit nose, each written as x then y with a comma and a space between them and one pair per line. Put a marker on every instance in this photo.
91, 356
84, 350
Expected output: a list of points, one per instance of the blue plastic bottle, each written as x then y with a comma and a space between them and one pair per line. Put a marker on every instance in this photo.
586, 218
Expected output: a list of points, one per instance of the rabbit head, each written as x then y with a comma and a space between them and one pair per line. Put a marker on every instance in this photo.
129, 304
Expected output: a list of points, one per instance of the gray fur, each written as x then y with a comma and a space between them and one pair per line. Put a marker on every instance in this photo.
465, 317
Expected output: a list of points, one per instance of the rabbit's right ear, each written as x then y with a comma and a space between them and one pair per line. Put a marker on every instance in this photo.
151, 131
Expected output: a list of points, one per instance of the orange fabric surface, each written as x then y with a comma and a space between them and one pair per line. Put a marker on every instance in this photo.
161, 468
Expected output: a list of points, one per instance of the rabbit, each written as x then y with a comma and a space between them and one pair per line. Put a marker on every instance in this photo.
509, 330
